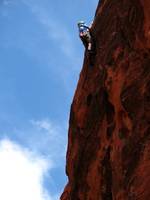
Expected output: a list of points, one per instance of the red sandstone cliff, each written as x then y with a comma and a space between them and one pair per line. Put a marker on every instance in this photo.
108, 154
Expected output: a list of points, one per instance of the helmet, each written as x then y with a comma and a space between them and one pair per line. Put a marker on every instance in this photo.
81, 23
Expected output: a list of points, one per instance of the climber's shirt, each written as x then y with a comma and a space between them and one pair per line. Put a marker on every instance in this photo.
83, 30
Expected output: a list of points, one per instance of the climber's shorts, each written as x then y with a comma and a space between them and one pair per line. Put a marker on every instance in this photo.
86, 35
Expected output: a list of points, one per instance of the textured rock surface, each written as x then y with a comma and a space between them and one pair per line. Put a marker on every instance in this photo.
108, 154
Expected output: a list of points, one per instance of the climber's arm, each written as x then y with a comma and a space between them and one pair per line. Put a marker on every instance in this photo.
91, 25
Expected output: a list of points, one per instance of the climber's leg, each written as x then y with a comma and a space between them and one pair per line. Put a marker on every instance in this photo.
89, 41
89, 46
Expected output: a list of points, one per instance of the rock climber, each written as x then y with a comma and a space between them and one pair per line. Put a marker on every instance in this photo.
85, 35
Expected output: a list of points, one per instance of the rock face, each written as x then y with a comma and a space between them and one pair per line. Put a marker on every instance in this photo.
108, 154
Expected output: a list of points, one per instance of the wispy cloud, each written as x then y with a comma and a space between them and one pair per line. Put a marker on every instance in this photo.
22, 173
6, 2
52, 138
44, 124
55, 29
46, 39
44, 137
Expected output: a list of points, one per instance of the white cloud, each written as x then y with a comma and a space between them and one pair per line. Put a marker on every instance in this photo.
22, 173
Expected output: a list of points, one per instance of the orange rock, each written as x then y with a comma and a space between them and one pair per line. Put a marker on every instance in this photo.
108, 156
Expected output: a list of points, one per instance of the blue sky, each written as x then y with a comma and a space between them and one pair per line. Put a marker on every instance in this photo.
40, 61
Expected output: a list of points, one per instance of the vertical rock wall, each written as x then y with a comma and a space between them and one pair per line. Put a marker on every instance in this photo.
108, 154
